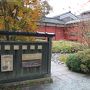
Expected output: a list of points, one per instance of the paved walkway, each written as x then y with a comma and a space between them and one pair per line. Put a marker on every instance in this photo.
64, 80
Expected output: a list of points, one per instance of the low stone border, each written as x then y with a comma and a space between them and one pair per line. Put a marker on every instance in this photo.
18, 85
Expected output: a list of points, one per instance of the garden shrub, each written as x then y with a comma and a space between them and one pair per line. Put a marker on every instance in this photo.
66, 46
73, 63
84, 57
79, 62
64, 57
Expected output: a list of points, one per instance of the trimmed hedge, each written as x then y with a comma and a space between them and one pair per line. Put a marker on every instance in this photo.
79, 62
66, 47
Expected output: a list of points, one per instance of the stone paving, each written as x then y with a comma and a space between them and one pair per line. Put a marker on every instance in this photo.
63, 79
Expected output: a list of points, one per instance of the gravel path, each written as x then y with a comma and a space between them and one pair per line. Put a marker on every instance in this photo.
55, 58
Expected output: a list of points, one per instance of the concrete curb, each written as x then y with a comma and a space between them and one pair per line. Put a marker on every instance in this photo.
18, 85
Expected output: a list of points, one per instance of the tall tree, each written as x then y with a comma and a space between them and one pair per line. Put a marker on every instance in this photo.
85, 31
22, 15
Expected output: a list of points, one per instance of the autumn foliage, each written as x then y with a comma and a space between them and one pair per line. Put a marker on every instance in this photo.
22, 15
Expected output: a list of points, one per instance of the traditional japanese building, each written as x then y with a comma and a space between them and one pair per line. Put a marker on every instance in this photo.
66, 26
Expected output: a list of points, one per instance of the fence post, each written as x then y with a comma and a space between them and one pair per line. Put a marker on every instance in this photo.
49, 55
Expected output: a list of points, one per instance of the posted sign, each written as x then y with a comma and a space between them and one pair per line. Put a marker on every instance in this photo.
6, 63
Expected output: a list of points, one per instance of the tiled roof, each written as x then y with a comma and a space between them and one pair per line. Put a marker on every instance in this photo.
68, 19
51, 20
68, 16
78, 20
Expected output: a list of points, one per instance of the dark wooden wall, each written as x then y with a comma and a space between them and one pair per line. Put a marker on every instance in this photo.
29, 69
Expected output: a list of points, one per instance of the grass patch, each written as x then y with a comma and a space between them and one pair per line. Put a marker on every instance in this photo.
63, 57
67, 46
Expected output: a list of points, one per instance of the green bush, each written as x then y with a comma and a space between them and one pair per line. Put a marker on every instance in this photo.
66, 46
84, 57
64, 57
79, 62
73, 63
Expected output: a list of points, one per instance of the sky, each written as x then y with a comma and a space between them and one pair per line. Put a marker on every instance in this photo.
62, 6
